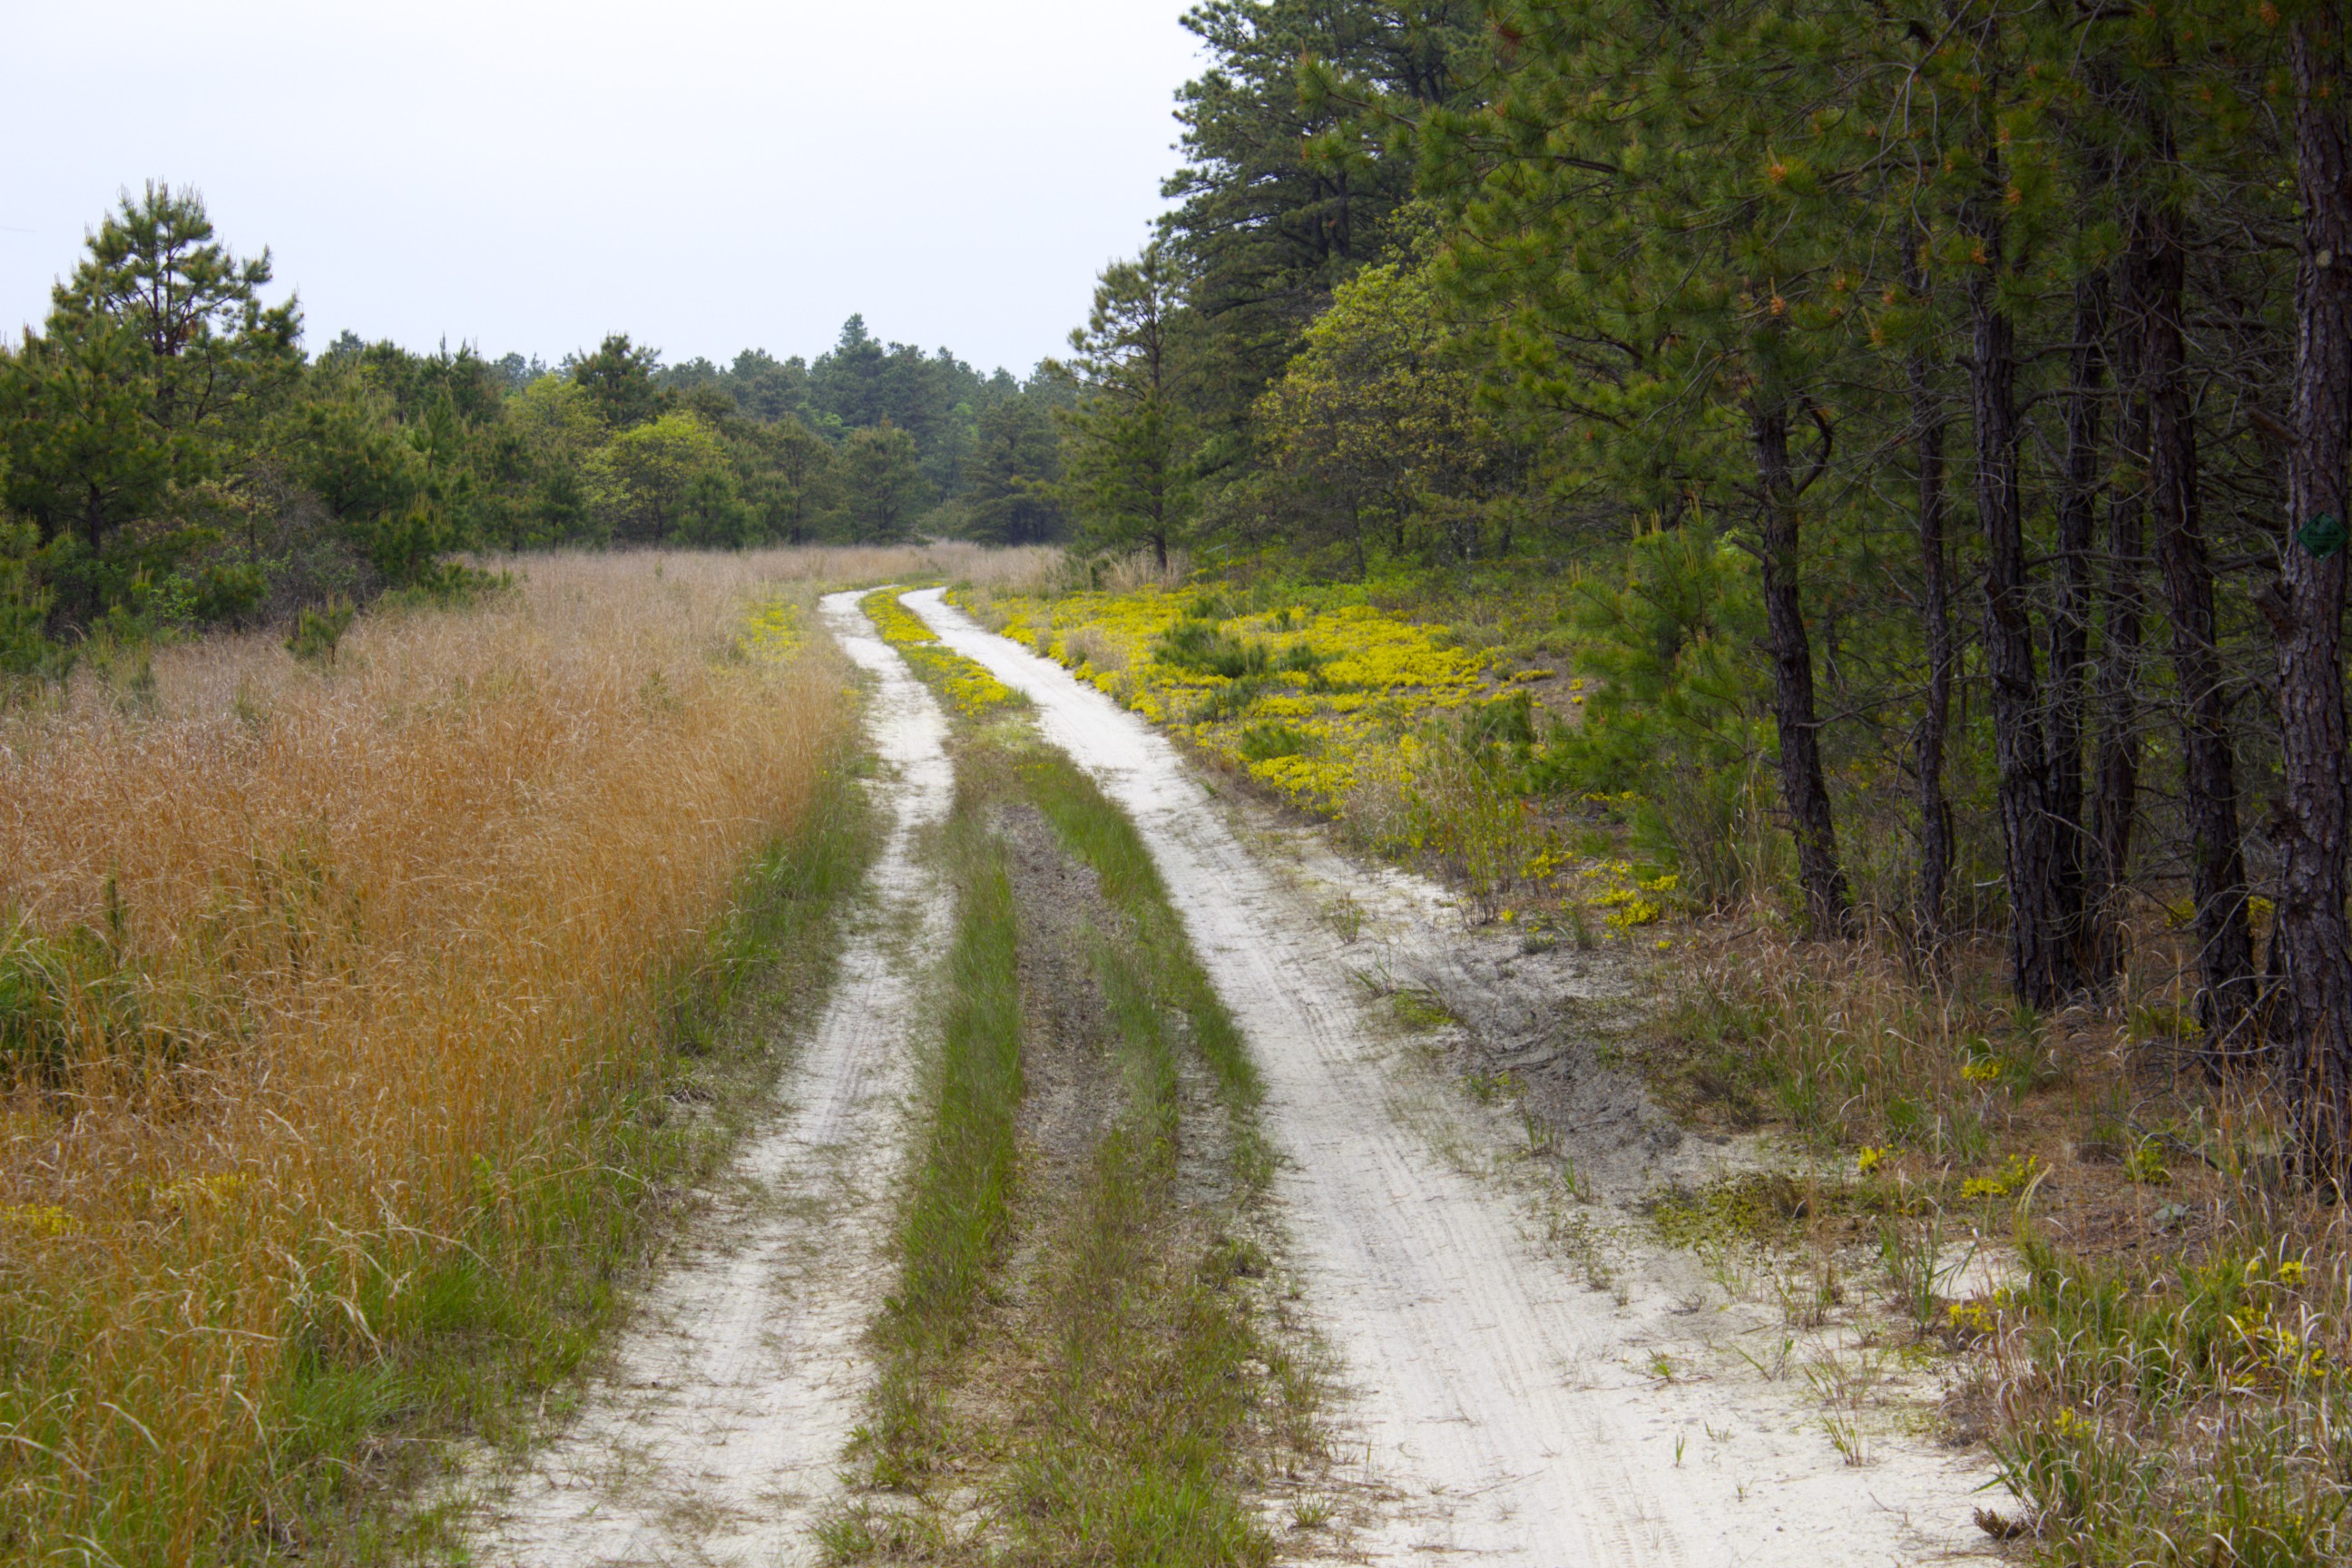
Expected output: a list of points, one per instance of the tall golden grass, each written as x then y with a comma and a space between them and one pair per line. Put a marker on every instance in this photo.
337, 968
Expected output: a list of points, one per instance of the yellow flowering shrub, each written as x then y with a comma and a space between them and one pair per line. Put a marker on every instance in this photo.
1343, 709
771, 632
1336, 679
1971, 1320
969, 689
2012, 1176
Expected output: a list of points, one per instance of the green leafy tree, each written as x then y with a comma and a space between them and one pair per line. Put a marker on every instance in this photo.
640, 480
557, 420
713, 514
553, 426
791, 480
1374, 423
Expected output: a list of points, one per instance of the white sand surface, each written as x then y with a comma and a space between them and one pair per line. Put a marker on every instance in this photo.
1504, 1409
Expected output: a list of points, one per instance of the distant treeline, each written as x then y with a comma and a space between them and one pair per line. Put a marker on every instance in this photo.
170, 456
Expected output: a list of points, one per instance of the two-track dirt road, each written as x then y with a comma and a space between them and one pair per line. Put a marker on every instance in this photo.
1504, 1407
1509, 1412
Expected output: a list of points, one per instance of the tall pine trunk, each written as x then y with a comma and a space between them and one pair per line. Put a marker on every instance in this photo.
1927, 431
2115, 801
2226, 990
2041, 966
2307, 614
1804, 787
2069, 629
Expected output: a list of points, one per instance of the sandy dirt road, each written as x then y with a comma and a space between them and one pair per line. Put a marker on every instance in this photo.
717, 1436
1505, 1410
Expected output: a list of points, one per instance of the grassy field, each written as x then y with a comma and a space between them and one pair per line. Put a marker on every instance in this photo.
361, 1013
342, 1003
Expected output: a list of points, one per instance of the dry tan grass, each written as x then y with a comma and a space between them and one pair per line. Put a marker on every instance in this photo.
1023, 570
385, 942
2162, 1379
1141, 569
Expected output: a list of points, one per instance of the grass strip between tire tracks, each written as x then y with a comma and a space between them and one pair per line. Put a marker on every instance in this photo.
957, 1209
1142, 1397
1101, 835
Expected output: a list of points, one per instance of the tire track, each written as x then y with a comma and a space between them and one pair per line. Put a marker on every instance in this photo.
717, 1436
1502, 1409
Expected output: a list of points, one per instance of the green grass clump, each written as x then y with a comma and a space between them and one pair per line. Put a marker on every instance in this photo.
1102, 836
1116, 1411
958, 1209
1149, 1394
1198, 647
2183, 1410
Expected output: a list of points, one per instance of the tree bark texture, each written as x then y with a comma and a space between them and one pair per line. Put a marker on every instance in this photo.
2315, 1015
2226, 988
2070, 626
1928, 433
2114, 803
2040, 967
1804, 787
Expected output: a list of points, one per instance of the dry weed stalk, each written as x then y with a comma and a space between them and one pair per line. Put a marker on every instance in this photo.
348, 962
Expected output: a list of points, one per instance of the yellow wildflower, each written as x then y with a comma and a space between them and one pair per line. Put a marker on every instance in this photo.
39, 1219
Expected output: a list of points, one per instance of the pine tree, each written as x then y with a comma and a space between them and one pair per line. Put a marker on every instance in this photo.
2307, 610
157, 357
1014, 468
1292, 174
619, 381
883, 484
1669, 295
792, 478
1129, 444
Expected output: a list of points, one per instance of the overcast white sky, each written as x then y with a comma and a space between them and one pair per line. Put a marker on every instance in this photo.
705, 175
